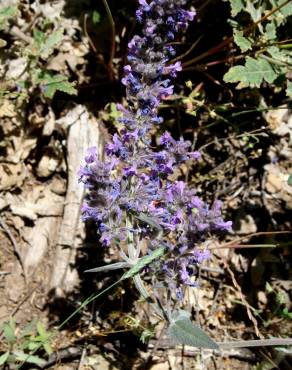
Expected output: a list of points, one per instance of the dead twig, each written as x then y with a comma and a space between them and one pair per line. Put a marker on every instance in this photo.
16, 250
235, 243
113, 36
81, 363
243, 299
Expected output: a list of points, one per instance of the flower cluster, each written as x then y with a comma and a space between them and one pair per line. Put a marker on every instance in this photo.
131, 191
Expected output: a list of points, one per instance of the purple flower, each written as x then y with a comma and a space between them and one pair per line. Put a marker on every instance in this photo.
134, 181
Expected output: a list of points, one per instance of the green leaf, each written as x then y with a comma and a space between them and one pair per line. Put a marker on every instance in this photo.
62, 84
43, 44
183, 331
9, 330
52, 83
243, 42
41, 330
6, 13
285, 10
280, 54
32, 346
271, 30
52, 41
47, 348
29, 328
4, 357
290, 176
26, 357
236, 6
252, 74
142, 262
39, 39
254, 12
112, 266
96, 17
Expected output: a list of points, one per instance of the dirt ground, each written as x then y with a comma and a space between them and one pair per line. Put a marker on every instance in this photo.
245, 289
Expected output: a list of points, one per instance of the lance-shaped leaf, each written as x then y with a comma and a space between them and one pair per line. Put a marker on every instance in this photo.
143, 261
4, 357
183, 331
112, 266
32, 359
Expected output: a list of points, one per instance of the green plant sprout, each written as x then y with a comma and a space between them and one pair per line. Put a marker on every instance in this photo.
20, 345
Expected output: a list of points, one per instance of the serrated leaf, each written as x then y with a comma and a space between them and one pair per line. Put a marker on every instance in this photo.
4, 357
183, 331
271, 30
25, 357
243, 42
43, 44
280, 54
254, 12
236, 7
285, 10
142, 262
52, 41
61, 84
253, 73
51, 83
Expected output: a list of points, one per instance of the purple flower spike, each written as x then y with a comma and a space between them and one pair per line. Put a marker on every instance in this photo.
135, 181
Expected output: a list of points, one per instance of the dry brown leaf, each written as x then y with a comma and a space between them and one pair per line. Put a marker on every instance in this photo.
7, 109
11, 175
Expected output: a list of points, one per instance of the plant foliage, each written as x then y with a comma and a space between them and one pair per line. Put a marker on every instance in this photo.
267, 58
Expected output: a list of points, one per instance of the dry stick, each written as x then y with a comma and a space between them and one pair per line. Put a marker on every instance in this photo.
231, 39
244, 301
87, 35
81, 362
256, 132
157, 343
234, 242
247, 246
113, 45
187, 52
14, 244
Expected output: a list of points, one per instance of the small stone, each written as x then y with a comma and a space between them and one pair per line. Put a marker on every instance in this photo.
247, 225
47, 166
274, 183
160, 366
262, 297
